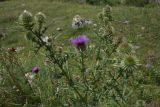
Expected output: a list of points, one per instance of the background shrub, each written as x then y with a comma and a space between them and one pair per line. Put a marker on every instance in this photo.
137, 2
110, 2
93, 1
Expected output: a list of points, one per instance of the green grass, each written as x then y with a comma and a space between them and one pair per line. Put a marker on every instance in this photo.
60, 14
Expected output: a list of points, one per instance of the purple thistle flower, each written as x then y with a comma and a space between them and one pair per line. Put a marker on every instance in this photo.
80, 42
35, 69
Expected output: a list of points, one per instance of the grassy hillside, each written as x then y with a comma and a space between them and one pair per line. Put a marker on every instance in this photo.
58, 15
142, 29
140, 25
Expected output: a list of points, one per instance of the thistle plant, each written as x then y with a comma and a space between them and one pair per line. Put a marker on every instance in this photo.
83, 76
15, 84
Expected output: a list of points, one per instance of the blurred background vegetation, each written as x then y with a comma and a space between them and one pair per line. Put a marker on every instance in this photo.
112, 2
116, 2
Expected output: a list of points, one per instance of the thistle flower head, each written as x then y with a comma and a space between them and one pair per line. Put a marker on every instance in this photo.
26, 17
40, 17
80, 41
107, 9
129, 63
105, 15
35, 69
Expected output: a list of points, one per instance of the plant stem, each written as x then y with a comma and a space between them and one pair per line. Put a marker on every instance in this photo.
60, 65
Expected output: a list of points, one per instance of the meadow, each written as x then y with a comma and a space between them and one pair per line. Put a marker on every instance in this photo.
140, 26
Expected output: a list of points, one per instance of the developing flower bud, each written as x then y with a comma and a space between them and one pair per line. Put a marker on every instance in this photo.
129, 63
40, 17
26, 17
107, 9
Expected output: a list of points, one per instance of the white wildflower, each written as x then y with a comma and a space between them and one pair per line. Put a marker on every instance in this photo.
47, 40
30, 77
79, 22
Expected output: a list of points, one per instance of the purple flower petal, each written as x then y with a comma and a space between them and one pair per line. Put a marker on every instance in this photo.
35, 69
79, 40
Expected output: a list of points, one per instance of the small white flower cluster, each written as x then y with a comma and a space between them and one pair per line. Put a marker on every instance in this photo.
79, 22
47, 40
30, 77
